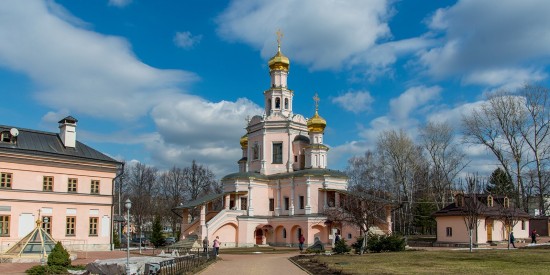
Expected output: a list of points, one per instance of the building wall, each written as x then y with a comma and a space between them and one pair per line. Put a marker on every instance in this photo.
460, 233
26, 197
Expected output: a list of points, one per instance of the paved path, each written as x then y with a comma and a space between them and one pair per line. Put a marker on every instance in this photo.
253, 264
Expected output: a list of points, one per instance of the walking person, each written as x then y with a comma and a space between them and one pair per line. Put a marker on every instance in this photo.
205, 245
512, 239
217, 246
534, 236
301, 240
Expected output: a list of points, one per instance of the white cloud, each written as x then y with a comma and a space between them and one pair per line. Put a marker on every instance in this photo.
484, 42
412, 99
78, 70
186, 40
119, 3
511, 77
354, 101
88, 74
194, 128
324, 34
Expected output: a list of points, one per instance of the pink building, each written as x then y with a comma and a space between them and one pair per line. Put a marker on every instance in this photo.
58, 179
283, 185
496, 218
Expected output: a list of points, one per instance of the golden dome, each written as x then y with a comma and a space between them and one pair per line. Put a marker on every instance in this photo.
244, 141
316, 124
279, 61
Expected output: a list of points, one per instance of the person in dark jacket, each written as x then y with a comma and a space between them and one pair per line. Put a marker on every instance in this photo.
512, 239
534, 236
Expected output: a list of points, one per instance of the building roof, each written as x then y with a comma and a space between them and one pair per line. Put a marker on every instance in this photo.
497, 210
33, 142
200, 201
299, 173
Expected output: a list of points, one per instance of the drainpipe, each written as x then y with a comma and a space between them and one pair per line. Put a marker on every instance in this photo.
121, 175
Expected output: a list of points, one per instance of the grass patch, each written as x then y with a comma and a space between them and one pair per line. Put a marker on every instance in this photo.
520, 261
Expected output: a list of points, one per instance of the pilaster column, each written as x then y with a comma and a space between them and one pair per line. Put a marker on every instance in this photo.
250, 208
184, 222
292, 191
290, 158
325, 195
238, 201
262, 152
308, 198
278, 199
336, 199
226, 202
203, 221
388, 219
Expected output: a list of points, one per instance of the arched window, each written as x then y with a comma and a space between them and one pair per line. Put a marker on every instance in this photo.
490, 201
277, 103
284, 233
286, 103
506, 202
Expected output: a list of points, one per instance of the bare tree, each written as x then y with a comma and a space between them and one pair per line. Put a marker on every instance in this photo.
446, 160
199, 181
497, 125
536, 134
141, 191
472, 207
509, 214
401, 157
361, 207
172, 193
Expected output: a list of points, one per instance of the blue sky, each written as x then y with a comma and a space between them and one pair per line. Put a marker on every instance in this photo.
166, 82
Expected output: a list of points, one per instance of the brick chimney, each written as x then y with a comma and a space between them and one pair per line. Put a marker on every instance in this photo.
67, 133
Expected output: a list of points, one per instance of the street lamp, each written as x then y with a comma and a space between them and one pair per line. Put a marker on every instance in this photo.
128, 205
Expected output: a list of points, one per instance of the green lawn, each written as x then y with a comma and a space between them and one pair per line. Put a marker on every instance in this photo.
520, 261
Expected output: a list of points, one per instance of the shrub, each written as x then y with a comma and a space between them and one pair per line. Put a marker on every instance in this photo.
59, 256
116, 239
314, 250
46, 269
357, 244
392, 243
341, 247
156, 237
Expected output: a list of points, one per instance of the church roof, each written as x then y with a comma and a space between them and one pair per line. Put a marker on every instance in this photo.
35, 142
299, 173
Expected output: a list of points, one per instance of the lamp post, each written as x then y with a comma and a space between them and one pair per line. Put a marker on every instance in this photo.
128, 205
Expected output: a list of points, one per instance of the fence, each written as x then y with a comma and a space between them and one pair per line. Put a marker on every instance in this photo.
180, 265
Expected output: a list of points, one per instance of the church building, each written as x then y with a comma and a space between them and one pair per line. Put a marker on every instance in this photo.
283, 185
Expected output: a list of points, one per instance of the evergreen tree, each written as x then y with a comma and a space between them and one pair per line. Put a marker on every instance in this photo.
500, 184
59, 256
156, 237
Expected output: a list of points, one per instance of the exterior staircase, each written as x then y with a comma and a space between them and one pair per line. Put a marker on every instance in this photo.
191, 241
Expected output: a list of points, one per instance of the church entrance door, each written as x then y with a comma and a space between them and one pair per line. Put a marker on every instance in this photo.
259, 236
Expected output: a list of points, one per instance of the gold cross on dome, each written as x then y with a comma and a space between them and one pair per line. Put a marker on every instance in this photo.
316, 99
279, 36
